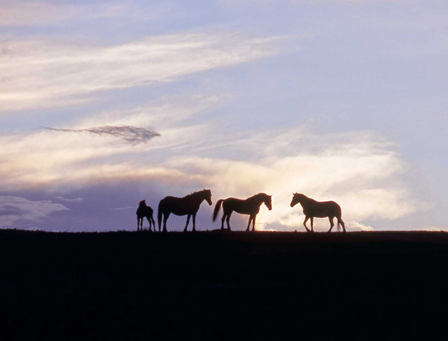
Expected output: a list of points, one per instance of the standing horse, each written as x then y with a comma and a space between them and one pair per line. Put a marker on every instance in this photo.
183, 206
250, 206
142, 212
315, 209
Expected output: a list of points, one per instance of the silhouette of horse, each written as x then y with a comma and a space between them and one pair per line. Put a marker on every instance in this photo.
142, 212
183, 206
315, 209
250, 206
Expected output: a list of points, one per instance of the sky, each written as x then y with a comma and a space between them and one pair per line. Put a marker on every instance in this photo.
106, 103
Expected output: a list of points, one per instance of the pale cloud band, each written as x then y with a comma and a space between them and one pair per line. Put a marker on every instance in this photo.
49, 73
30, 13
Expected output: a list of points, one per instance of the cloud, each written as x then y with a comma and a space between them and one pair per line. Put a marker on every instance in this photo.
358, 226
435, 229
122, 208
30, 13
128, 134
69, 200
50, 73
47, 158
359, 170
317, 2
18, 211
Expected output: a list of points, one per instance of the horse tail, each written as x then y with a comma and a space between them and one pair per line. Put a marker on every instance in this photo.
159, 214
217, 207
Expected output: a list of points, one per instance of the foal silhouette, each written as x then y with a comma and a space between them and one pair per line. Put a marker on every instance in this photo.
315, 209
142, 212
182, 206
250, 206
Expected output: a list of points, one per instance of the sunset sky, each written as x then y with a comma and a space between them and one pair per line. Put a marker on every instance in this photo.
106, 103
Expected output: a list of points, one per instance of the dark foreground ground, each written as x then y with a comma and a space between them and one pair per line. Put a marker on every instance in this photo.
224, 286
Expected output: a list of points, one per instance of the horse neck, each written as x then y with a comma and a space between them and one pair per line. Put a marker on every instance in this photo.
259, 199
197, 197
306, 202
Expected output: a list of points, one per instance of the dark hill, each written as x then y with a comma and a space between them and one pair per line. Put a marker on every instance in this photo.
221, 285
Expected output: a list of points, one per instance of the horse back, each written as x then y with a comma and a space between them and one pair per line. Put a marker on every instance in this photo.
144, 211
179, 206
239, 206
323, 209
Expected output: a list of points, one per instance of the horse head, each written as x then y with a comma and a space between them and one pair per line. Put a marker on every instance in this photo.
208, 196
268, 201
142, 203
296, 198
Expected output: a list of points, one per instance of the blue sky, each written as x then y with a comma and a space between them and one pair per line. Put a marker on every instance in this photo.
340, 100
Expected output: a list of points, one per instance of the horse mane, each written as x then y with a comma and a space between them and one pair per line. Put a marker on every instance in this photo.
197, 192
257, 195
306, 198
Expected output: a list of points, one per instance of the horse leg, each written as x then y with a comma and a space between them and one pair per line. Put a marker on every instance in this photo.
340, 221
312, 224
194, 222
165, 218
138, 223
188, 220
154, 224
253, 223
331, 223
228, 219
248, 225
304, 224
149, 221
222, 221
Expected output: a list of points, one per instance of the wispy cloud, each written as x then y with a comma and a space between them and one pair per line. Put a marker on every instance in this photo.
69, 200
29, 13
47, 73
435, 229
21, 211
358, 226
318, 2
121, 208
128, 134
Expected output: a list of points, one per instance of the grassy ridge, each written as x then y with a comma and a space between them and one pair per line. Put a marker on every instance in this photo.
217, 284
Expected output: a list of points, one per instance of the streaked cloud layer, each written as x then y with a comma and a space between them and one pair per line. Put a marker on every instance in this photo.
50, 73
